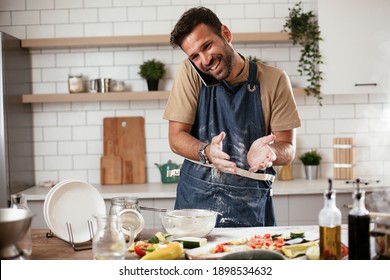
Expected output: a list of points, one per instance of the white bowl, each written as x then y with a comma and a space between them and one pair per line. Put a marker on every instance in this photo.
189, 222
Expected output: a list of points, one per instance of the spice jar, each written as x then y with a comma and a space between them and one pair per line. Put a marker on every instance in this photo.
75, 83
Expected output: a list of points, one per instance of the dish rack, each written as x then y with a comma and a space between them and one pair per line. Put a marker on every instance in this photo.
87, 245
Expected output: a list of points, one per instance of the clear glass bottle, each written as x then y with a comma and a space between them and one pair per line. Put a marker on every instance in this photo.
359, 228
330, 228
109, 241
19, 201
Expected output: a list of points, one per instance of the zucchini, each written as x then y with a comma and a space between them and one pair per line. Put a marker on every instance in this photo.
299, 234
191, 242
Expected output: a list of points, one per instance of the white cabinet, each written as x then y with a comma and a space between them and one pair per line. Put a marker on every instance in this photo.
303, 209
355, 46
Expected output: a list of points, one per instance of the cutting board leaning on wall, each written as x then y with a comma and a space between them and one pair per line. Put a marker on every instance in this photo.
123, 161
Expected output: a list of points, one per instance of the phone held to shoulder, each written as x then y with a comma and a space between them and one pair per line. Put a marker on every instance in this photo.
208, 80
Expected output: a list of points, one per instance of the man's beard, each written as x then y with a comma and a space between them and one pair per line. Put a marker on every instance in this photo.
227, 59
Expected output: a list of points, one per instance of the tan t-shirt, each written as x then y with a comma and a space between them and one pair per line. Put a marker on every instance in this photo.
279, 107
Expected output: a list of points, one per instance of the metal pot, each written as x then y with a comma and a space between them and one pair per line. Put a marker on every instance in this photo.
381, 234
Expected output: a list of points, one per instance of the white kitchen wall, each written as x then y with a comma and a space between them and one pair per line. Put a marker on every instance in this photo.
68, 136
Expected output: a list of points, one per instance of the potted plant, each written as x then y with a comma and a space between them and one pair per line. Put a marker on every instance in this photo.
304, 30
152, 70
311, 160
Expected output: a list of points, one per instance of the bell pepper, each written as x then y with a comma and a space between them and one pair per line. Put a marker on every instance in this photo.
172, 251
141, 249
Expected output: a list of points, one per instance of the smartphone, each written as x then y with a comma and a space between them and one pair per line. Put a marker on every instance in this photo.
208, 80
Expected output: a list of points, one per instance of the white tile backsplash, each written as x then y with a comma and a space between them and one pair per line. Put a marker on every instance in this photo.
69, 136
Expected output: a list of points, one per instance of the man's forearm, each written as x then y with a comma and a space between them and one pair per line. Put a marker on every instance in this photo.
285, 153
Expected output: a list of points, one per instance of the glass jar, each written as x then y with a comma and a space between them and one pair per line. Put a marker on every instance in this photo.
118, 86
128, 210
19, 201
75, 83
123, 202
109, 241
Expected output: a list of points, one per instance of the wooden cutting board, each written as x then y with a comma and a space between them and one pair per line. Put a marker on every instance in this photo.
111, 166
128, 137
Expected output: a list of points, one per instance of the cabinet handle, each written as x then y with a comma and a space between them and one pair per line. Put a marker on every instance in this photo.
366, 84
347, 206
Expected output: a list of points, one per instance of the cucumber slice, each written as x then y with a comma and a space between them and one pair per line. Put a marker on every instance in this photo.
297, 234
191, 242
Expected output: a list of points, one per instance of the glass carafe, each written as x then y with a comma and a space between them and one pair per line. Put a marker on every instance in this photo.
109, 241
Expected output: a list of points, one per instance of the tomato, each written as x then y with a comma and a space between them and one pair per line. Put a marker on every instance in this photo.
143, 248
344, 250
279, 242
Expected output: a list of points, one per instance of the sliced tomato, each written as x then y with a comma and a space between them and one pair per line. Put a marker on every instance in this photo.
220, 248
344, 250
143, 248
279, 242
267, 236
256, 241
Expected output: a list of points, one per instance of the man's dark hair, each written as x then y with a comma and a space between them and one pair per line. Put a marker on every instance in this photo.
192, 18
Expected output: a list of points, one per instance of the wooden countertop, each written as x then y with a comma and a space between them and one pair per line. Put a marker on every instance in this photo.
52, 248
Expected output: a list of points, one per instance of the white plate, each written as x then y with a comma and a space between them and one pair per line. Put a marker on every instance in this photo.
48, 196
73, 202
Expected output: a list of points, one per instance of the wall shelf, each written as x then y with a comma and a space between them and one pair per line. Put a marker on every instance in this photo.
93, 97
109, 96
144, 40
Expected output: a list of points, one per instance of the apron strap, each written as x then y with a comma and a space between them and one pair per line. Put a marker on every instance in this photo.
252, 76
240, 172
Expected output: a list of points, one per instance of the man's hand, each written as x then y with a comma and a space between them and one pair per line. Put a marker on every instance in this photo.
260, 155
218, 158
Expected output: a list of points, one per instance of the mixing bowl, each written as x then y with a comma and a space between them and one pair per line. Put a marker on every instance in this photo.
189, 222
14, 223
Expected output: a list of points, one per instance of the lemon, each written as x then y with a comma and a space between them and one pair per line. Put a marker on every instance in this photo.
313, 253
293, 251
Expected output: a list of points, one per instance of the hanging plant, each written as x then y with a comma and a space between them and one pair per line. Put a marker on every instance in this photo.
304, 31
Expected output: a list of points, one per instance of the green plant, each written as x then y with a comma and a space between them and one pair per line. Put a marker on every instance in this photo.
312, 157
255, 59
152, 70
304, 30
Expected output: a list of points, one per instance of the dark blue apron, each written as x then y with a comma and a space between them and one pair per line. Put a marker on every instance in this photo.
242, 201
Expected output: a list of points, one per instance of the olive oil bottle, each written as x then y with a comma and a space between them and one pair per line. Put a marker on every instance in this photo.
359, 227
330, 227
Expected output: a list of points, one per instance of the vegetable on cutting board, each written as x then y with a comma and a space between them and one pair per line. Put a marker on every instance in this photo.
191, 242
172, 251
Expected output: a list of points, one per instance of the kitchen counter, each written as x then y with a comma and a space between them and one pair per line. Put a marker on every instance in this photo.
52, 248
160, 190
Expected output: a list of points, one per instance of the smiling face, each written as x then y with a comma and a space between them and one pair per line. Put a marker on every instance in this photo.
212, 54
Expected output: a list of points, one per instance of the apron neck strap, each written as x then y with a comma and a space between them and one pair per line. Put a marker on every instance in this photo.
252, 76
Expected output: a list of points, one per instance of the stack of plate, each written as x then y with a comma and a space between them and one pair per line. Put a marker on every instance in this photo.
74, 203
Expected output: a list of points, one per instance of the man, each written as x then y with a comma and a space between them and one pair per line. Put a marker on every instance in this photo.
231, 133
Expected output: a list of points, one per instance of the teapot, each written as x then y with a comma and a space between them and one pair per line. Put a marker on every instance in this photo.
165, 168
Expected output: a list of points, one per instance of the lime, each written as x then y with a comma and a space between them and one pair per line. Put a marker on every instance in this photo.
293, 251
313, 253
